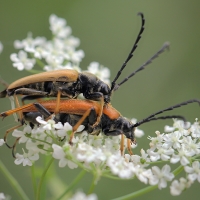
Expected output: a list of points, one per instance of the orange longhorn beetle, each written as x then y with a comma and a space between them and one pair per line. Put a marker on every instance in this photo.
86, 112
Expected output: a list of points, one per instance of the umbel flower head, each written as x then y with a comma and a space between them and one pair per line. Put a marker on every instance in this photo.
101, 153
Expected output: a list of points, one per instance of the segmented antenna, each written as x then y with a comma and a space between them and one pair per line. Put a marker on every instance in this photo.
163, 117
152, 116
131, 52
165, 46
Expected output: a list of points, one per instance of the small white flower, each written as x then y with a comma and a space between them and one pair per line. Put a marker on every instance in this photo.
76, 56
142, 174
29, 44
26, 158
195, 129
103, 73
177, 187
169, 129
112, 144
156, 142
88, 154
58, 26
181, 156
162, 153
82, 196
61, 155
1, 47
65, 130
194, 171
172, 140
2, 196
2, 142
191, 146
161, 177
140, 160
22, 134
21, 61
119, 166
47, 125
182, 126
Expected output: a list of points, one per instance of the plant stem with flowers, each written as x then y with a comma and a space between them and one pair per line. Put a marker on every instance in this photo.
98, 155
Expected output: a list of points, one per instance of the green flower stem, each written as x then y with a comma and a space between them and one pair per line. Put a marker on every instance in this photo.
33, 179
34, 71
70, 187
178, 170
40, 63
42, 179
14, 183
137, 193
114, 177
147, 189
38, 140
92, 186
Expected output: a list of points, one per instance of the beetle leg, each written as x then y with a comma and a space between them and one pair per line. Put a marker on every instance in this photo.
29, 91
96, 96
31, 97
100, 112
86, 114
26, 91
14, 147
122, 145
20, 115
118, 132
42, 110
58, 102
129, 146
8, 131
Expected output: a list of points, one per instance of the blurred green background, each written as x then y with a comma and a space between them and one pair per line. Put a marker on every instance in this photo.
107, 30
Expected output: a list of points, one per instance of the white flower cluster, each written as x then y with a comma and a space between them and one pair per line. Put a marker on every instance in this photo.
57, 53
102, 155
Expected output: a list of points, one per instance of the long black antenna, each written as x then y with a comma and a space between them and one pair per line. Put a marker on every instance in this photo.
162, 117
131, 52
151, 117
165, 46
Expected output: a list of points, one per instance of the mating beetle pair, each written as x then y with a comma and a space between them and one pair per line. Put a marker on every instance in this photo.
70, 83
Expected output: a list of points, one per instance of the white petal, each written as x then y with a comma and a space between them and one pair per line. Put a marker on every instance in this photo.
2, 142
80, 128
40, 120
62, 162
58, 152
17, 133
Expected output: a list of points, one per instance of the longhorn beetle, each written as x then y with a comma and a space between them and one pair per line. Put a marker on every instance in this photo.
86, 112
70, 83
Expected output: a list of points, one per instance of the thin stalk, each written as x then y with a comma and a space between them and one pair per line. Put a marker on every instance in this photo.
71, 186
40, 63
92, 186
42, 179
114, 177
33, 179
178, 170
13, 182
137, 193
34, 71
